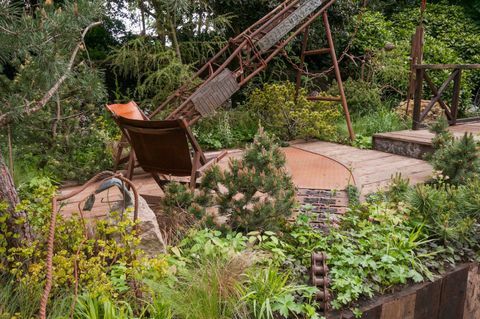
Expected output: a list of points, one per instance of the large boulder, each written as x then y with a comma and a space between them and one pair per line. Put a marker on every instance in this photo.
151, 239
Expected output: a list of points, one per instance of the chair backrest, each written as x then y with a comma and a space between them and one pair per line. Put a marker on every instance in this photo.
160, 146
129, 110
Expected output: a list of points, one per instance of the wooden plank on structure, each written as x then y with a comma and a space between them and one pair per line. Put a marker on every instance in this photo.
401, 308
215, 92
428, 301
287, 25
454, 288
472, 302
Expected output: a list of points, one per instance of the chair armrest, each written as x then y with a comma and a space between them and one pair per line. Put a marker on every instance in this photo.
212, 161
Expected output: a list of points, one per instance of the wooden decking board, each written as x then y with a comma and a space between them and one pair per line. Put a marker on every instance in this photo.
365, 170
380, 176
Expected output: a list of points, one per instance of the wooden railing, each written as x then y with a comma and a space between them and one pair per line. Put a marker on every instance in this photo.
422, 76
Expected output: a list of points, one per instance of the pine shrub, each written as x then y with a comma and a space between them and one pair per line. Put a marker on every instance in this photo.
456, 159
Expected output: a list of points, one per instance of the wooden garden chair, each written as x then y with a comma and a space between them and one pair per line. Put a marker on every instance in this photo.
165, 148
131, 111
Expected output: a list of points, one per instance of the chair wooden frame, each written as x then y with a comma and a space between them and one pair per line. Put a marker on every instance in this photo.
129, 110
174, 139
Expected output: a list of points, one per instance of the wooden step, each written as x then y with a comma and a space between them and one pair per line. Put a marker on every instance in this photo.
401, 143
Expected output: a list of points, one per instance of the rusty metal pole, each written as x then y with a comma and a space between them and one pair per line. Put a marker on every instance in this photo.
302, 61
338, 75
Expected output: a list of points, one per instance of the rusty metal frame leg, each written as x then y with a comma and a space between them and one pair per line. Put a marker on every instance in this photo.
338, 75
302, 62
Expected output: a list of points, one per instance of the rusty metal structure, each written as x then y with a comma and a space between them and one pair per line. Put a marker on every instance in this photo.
247, 55
419, 77
319, 279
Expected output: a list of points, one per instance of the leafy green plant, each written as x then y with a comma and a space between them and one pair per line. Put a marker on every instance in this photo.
90, 307
269, 294
226, 129
208, 289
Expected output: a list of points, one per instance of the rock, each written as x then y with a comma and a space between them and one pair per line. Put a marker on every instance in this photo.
151, 238
432, 116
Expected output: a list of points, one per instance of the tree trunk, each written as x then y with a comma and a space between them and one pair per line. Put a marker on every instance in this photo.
176, 45
8, 194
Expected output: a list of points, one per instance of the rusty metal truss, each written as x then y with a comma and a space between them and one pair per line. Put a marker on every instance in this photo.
245, 56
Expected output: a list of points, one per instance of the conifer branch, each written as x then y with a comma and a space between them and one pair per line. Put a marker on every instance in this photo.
7, 118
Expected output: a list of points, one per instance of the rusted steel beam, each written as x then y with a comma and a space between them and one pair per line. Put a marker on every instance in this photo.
416, 58
338, 75
318, 51
417, 103
302, 62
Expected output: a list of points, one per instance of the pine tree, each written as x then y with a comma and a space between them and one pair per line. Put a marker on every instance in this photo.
457, 159
256, 193
40, 52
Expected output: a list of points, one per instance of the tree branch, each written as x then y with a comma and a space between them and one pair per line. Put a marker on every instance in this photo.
7, 118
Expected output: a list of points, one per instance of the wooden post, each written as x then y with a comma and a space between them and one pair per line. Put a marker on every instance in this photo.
416, 58
417, 104
456, 96
338, 75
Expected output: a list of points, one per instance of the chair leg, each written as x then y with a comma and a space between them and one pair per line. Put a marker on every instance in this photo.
195, 167
118, 157
131, 166
159, 181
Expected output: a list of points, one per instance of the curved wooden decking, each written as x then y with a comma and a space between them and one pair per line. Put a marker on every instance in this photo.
313, 165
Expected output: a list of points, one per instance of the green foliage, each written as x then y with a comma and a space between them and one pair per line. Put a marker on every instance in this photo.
89, 307
362, 97
288, 116
269, 293
376, 248
18, 300
63, 137
439, 208
255, 193
154, 67
374, 32
456, 159
226, 129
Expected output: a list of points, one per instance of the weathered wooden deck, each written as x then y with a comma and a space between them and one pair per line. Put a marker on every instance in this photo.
313, 165
417, 143
371, 169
